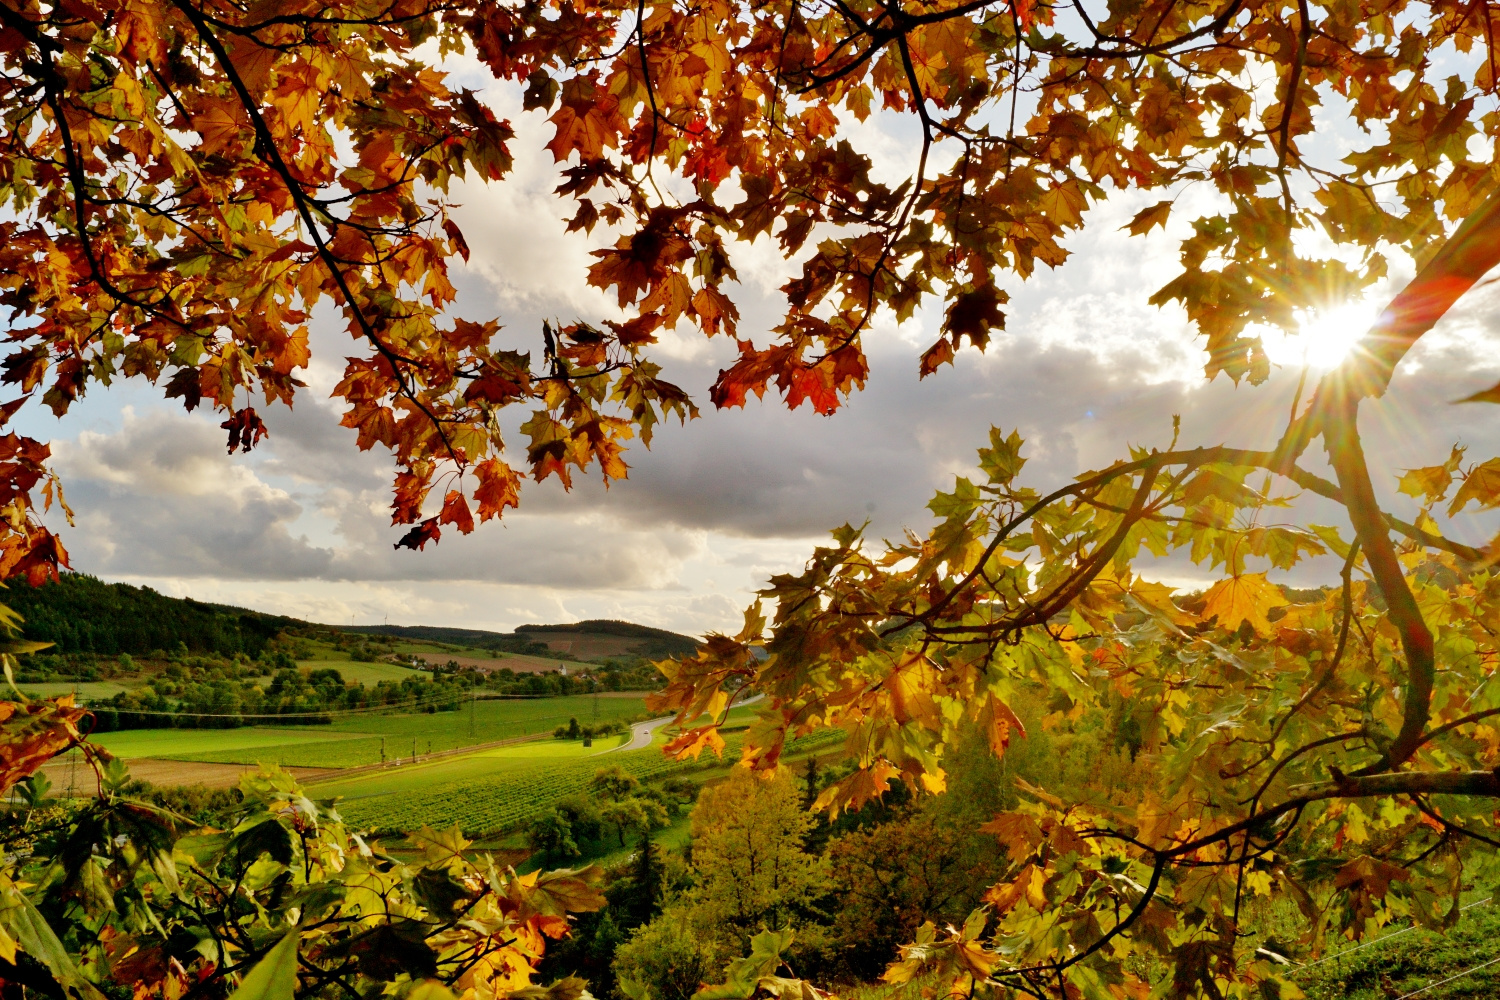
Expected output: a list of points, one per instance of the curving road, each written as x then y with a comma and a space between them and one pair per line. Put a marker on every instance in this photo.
640, 735
641, 732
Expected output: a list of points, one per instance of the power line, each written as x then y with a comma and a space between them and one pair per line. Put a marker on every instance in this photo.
1386, 937
1450, 979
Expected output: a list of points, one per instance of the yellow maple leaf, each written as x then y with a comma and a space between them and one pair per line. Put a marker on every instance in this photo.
1244, 598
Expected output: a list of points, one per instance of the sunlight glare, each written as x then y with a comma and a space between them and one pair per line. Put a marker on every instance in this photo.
1325, 335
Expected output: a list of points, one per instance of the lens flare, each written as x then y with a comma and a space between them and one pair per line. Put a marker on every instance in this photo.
1325, 336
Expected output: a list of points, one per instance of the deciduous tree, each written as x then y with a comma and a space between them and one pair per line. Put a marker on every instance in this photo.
186, 180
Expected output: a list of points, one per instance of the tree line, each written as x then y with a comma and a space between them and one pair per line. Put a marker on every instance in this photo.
79, 613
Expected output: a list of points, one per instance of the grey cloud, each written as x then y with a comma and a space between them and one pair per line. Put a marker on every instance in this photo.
162, 498
567, 552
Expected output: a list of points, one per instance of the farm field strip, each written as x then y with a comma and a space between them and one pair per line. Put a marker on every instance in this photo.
190, 744
85, 690
355, 741
498, 719
486, 803
358, 751
360, 672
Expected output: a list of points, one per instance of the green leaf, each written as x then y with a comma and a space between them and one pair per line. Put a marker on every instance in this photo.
745, 975
1002, 460
32, 934
964, 498
275, 976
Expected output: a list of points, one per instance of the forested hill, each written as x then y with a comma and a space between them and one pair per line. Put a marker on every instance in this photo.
585, 639
83, 614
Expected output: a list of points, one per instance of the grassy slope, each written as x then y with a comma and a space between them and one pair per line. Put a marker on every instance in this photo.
1415, 960
498, 719
352, 741
538, 755
486, 795
85, 690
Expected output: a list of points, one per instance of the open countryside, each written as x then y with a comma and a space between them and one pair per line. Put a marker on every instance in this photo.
464, 733
833, 500
502, 769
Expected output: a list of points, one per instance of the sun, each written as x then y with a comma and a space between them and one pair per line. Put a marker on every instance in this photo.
1324, 336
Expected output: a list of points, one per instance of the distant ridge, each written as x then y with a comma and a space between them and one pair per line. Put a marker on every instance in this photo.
83, 614
432, 633
586, 640
609, 626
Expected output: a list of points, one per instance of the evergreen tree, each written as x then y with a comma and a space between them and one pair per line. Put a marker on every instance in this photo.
646, 883
810, 784
817, 832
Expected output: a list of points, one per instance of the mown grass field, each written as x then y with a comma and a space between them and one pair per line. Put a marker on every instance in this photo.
85, 690
356, 740
368, 674
183, 744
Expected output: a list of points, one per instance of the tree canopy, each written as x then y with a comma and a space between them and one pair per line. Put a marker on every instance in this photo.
186, 181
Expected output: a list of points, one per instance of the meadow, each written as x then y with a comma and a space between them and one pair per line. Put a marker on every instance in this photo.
368, 674
84, 691
369, 737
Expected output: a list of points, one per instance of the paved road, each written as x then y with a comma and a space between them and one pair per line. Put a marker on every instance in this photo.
640, 735
641, 732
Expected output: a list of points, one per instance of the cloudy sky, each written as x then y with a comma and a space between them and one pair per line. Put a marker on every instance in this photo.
1086, 368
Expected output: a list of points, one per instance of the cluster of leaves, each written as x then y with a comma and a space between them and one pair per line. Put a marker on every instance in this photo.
281, 901
1264, 728
1342, 748
182, 196
188, 179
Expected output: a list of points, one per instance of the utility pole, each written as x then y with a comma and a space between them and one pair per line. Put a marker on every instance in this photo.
473, 698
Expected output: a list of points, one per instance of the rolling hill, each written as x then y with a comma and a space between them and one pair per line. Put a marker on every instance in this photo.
587, 640
83, 614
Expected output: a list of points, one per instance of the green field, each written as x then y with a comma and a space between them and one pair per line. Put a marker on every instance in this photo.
370, 737
368, 674
484, 794
183, 744
86, 690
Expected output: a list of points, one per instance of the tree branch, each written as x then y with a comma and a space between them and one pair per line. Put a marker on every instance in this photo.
1341, 437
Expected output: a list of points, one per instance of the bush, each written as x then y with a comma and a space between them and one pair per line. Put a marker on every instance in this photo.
668, 959
552, 834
